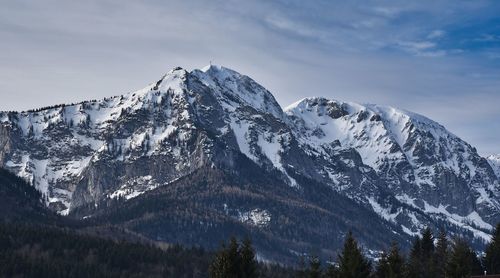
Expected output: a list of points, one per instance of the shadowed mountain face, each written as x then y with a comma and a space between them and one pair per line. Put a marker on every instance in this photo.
21, 202
200, 155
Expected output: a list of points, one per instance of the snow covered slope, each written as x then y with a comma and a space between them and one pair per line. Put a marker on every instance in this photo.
419, 162
79, 154
62, 149
402, 166
494, 161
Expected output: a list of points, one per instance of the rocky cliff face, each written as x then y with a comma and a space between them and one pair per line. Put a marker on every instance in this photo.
401, 166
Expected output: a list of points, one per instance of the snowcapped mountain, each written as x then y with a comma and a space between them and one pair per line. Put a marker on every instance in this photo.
494, 161
418, 161
219, 141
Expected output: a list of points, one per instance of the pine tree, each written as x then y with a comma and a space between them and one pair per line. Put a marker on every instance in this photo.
314, 270
235, 261
414, 261
352, 263
441, 255
427, 253
226, 263
248, 262
421, 263
391, 265
492, 258
462, 261
233, 257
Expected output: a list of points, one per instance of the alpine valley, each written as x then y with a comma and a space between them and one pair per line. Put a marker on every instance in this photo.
198, 156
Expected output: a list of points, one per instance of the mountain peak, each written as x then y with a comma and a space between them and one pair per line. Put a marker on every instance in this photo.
177, 69
177, 72
308, 101
173, 79
494, 161
238, 90
217, 68
220, 73
345, 108
494, 157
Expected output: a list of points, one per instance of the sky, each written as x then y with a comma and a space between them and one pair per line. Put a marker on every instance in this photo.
439, 58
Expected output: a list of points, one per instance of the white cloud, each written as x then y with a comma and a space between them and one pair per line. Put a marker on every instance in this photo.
436, 34
422, 48
70, 51
284, 24
418, 46
488, 38
388, 11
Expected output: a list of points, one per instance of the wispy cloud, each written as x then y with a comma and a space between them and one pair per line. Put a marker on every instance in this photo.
436, 34
422, 48
297, 28
488, 38
432, 57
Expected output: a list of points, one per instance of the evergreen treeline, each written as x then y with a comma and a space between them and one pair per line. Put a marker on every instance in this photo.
239, 261
429, 257
47, 251
44, 251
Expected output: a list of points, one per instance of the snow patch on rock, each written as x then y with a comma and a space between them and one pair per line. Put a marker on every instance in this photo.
255, 217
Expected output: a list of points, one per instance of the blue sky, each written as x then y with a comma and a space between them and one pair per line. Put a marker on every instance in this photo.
438, 58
